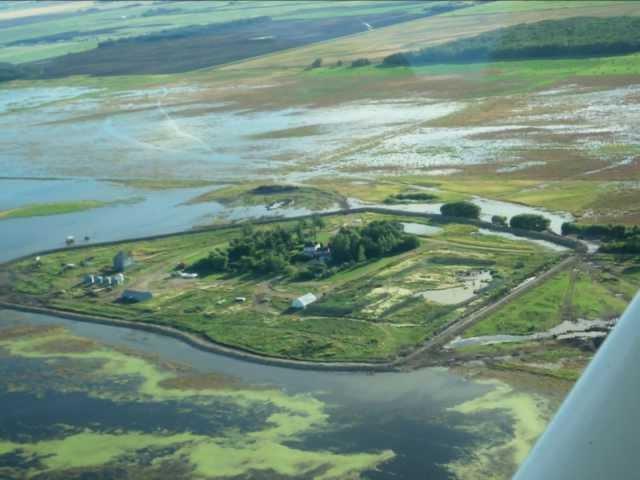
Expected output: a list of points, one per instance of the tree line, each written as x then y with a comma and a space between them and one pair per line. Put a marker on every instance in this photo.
572, 37
615, 238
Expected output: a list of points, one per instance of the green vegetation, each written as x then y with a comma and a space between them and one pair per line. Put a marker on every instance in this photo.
161, 183
618, 238
530, 221
461, 210
600, 232
273, 196
360, 62
598, 291
371, 309
630, 246
410, 197
500, 220
44, 209
572, 37
262, 252
269, 420
82, 28
375, 240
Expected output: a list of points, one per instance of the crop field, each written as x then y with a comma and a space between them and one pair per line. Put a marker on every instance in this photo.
442, 28
375, 311
81, 26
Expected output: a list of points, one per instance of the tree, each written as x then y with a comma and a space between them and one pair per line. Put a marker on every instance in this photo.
317, 223
218, 261
499, 220
360, 62
460, 209
317, 63
530, 221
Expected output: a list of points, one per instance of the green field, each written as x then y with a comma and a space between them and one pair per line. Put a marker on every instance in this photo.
370, 311
600, 289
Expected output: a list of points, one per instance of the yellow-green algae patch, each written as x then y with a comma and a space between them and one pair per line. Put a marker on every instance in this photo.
7, 447
233, 459
228, 455
89, 449
500, 456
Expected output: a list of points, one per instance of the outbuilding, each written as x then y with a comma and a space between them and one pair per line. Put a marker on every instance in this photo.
136, 296
122, 261
304, 301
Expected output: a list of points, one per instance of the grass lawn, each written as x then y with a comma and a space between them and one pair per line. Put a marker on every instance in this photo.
371, 311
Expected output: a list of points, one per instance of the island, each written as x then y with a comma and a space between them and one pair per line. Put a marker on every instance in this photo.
357, 288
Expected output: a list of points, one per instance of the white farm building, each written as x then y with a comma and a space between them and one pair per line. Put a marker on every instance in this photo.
303, 301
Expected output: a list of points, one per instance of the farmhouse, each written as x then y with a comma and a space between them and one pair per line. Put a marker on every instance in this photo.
317, 251
122, 261
303, 301
136, 296
310, 249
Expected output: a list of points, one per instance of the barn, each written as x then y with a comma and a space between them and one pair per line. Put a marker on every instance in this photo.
303, 301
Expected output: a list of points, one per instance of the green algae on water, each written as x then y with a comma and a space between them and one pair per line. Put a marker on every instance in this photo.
265, 448
500, 453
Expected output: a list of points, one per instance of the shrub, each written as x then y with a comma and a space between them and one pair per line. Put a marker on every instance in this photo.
360, 62
317, 63
530, 221
460, 209
499, 220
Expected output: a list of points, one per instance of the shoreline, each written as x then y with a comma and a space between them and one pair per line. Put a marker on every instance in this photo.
208, 345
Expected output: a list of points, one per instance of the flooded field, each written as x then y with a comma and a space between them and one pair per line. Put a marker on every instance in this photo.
151, 133
173, 131
121, 389
470, 284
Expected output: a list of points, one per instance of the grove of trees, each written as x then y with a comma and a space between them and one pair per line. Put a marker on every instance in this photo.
375, 240
278, 250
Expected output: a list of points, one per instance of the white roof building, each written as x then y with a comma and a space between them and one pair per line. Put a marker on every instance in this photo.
304, 301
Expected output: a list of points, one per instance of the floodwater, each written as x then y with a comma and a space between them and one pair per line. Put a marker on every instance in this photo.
420, 229
471, 285
581, 328
511, 236
163, 131
409, 424
488, 207
149, 213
